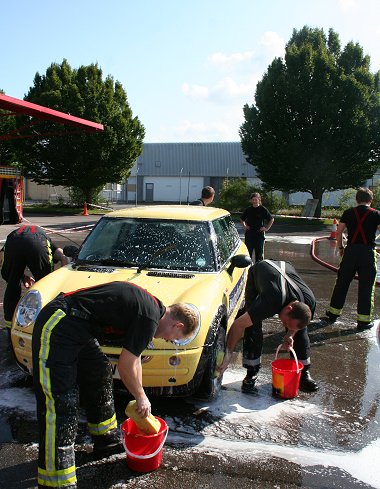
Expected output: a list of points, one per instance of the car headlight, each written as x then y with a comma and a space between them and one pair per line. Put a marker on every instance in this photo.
28, 308
188, 339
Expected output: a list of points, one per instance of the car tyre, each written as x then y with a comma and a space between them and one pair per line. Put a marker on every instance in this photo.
212, 382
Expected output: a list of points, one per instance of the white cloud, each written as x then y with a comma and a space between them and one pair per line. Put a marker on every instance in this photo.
225, 60
348, 4
230, 87
223, 90
198, 131
270, 45
273, 45
195, 91
243, 70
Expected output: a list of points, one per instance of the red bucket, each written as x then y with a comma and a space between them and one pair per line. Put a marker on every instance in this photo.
286, 374
144, 452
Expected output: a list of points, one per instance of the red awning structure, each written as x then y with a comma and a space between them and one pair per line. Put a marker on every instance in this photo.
16, 106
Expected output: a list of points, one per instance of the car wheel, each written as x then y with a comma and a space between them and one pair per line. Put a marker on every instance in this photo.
212, 382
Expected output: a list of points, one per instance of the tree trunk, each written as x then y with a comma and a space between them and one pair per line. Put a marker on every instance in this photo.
318, 195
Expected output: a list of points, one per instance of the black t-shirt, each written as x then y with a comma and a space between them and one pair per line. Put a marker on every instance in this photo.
369, 225
32, 236
197, 202
256, 217
263, 295
122, 310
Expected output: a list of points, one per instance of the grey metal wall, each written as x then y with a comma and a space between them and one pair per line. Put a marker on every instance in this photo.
198, 159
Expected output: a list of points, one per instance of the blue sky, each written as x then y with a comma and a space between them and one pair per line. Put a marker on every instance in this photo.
188, 66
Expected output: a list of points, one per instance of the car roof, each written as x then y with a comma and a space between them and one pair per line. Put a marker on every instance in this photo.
177, 212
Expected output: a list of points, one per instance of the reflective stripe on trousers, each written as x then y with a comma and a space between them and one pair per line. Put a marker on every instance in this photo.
51, 476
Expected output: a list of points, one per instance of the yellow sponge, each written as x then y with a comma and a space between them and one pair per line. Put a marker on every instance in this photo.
148, 426
219, 361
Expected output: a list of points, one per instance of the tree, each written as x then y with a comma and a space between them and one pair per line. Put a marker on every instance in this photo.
77, 159
7, 148
314, 126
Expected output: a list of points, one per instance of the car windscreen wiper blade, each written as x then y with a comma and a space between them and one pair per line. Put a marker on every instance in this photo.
105, 261
157, 253
117, 261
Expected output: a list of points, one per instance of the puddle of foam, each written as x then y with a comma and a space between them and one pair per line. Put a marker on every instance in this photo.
18, 398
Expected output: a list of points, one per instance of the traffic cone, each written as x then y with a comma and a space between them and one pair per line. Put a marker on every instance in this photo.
85, 212
333, 231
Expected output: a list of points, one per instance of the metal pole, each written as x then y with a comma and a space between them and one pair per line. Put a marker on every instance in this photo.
188, 188
180, 186
137, 172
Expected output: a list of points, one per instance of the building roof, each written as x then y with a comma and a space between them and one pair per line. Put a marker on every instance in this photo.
16, 106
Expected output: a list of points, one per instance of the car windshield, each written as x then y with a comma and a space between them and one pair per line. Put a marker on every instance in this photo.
146, 243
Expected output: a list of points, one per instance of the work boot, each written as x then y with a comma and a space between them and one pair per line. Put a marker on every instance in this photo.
362, 326
248, 384
329, 318
307, 383
107, 444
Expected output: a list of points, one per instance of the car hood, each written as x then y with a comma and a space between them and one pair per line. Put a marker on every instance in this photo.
204, 290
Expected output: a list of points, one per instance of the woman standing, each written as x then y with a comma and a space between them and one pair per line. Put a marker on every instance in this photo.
256, 220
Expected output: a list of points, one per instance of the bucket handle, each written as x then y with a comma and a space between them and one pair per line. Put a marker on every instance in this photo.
293, 353
143, 457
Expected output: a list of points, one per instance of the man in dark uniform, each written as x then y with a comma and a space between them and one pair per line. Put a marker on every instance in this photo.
28, 246
256, 220
273, 287
207, 196
68, 363
359, 256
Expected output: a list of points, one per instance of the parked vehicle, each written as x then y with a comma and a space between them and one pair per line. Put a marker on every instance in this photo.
179, 254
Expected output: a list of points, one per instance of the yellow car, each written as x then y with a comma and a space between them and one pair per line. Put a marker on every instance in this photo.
185, 254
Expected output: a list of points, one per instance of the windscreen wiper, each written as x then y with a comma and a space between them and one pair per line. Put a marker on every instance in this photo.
157, 253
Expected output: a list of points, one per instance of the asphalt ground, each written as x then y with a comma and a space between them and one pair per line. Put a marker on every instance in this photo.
327, 439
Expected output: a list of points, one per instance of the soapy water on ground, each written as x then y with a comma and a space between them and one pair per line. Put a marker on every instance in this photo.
243, 426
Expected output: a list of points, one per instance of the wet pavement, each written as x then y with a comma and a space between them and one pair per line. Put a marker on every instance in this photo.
328, 439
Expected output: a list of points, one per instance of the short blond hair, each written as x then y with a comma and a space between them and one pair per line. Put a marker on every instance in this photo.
186, 315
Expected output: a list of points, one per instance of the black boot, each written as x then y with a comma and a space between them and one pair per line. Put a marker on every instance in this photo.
248, 384
362, 326
307, 384
107, 444
329, 318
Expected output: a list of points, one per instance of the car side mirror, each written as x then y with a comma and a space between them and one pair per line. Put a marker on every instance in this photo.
71, 251
239, 261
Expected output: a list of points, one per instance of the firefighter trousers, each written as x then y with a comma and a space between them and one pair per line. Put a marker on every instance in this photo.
68, 366
360, 259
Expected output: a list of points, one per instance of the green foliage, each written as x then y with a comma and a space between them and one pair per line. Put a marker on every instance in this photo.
80, 160
78, 197
8, 156
314, 125
235, 195
376, 195
273, 201
347, 199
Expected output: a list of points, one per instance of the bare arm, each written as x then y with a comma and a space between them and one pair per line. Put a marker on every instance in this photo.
245, 226
268, 226
235, 333
339, 236
60, 256
130, 370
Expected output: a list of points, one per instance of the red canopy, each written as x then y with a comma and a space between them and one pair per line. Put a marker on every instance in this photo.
17, 106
